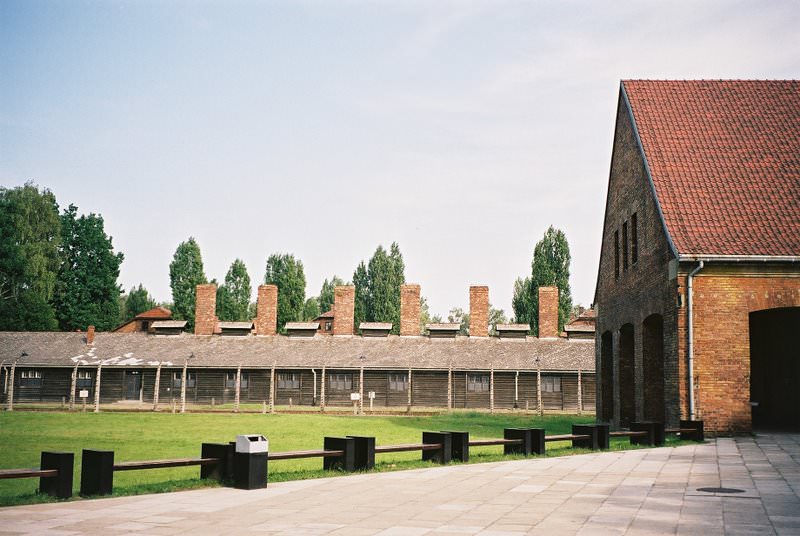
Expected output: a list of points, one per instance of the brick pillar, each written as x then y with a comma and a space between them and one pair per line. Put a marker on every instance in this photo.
409, 310
548, 312
478, 311
267, 310
344, 301
205, 307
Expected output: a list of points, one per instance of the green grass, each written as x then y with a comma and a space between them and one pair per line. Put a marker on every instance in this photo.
154, 436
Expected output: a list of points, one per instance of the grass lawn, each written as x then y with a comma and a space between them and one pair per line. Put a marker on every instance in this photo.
154, 436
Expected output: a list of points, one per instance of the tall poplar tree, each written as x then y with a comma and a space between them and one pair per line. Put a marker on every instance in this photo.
30, 234
378, 287
287, 273
326, 293
233, 297
550, 267
87, 292
361, 282
185, 273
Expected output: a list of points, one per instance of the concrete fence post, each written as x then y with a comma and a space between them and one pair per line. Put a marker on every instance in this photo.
238, 387
97, 388
491, 390
408, 406
272, 389
184, 376
157, 387
580, 393
450, 388
322, 390
10, 400
72, 386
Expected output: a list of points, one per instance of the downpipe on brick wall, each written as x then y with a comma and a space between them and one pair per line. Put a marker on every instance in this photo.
691, 337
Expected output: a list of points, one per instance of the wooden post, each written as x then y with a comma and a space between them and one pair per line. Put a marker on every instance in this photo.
361, 392
539, 390
157, 387
491, 390
322, 391
450, 388
408, 408
183, 387
272, 389
97, 388
238, 388
10, 401
580, 394
73, 386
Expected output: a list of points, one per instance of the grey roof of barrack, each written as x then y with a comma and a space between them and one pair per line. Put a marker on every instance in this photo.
170, 324
375, 325
143, 350
512, 327
302, 325
235, 325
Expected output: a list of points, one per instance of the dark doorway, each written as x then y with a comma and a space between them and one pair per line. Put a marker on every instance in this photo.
627, 391
775, 367
607, 377
133, 384
653, 367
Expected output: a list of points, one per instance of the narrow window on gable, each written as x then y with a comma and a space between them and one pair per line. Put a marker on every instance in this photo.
625, 246
634, 239
616, 254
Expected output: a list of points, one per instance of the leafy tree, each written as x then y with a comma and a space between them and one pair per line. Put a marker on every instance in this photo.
550, 267
326, 293
521, 301
458, 316
361, 282
30, 234
425, 316
311, 309
287, 274
86, 292
496, 316
185, 273
378, 287
137, 301
233, 298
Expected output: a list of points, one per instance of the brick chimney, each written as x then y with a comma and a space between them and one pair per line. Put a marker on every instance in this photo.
90, 335
548, 312
205, 308
267, 310
409, 310
478, 311
344, 301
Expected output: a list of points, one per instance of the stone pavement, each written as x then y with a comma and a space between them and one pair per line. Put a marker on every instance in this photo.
650, 491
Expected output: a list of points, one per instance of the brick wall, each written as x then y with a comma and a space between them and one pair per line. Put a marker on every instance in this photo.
724, 296
478, 311
267, 310
409, 310
343, 309
548, 312
205, 307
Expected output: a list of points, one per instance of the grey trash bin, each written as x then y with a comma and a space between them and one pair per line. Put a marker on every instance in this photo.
250, 461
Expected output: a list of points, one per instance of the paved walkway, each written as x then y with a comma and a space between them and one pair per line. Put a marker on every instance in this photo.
652, 491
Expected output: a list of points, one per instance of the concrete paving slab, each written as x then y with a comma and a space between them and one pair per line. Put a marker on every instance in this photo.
647, 491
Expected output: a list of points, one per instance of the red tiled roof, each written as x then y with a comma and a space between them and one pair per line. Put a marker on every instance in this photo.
161, 313
725, 160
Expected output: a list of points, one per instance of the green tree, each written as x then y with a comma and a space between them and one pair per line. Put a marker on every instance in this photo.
233, 297
137, 301
458, 316
425, 316
286, 272
30, 234
521, 302
87, 292
361, 283
311, 309
550, 267
185, 273
326, 293
378, 287
496, 316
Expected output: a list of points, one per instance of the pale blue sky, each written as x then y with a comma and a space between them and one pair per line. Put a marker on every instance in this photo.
461, 130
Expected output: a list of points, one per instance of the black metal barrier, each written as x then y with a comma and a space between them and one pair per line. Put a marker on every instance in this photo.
352, 453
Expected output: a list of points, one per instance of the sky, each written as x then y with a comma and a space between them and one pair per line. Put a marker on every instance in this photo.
460, 130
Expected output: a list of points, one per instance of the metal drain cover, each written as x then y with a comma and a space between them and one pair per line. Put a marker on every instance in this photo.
721, 490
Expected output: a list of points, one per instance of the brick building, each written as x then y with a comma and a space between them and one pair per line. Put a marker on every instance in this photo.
144, 321
698, 289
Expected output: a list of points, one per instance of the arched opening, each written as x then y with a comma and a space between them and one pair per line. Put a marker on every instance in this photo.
775, 367
653, 367
607, 377
627, 392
